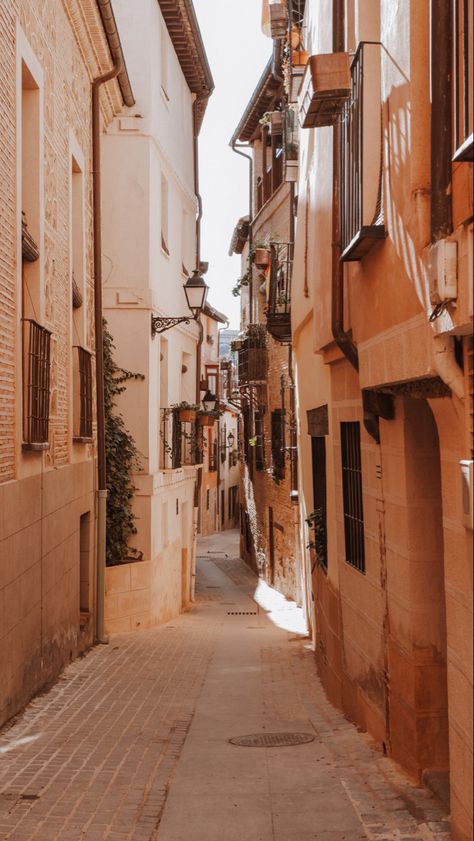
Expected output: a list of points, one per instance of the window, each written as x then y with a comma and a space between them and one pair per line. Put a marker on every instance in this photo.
164, 215
352, 495
36, 385
212, 446
30, 190
463, 85
82, 377
272, 159
260, 444
208, 499
362, 219
278, 444
319, 516
212, 379
84, 546
77, 253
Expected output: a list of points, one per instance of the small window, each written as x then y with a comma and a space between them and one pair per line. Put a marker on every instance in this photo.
260, 443
208, 499
164, 215
278, 444
318, 519
352, 495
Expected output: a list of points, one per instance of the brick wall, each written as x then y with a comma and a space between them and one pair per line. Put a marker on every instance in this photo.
8, 12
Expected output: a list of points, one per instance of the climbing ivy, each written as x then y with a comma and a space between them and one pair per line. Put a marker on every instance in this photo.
121, 459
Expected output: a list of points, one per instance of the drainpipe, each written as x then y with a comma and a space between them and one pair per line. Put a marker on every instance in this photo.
341, 337
99, 349
237, 147
441, 154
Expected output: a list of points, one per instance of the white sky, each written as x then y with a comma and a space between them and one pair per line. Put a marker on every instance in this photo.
238, 52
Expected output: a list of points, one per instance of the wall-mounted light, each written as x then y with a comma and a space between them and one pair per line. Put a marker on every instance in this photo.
196, 291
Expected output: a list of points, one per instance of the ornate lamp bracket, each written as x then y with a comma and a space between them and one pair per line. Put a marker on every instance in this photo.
160, 323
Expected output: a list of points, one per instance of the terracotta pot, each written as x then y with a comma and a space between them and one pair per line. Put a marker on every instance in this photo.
262, 258
187, 415
206, 420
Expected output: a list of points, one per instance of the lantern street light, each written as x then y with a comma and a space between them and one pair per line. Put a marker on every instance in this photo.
231, 439
209, 402
196, 291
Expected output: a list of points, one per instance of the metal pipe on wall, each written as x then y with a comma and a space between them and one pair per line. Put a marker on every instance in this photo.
237, 147
99, 347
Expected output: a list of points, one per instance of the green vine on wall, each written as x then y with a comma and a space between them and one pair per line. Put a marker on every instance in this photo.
121, 458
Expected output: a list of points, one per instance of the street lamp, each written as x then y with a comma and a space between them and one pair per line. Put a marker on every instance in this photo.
231, 439
209, 402
196, 291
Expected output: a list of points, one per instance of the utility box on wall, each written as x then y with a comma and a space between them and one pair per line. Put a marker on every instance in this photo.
444, 271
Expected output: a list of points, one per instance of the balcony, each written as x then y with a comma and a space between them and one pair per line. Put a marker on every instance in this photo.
362, 212
279, 302
36, 385
325, 89
253, 361
82, 379
181, 442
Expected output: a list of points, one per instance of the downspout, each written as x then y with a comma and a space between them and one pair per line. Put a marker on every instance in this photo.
99, 349
441, 154
341, 337
237, 147
197, 498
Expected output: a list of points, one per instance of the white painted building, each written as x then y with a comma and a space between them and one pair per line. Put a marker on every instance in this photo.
150, 247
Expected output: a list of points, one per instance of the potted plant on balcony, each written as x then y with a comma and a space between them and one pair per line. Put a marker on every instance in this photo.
187, 411
262, 256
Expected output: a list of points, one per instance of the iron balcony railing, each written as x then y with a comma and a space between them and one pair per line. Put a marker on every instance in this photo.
36, 382
83, 394
278, 311
362, 218
253, 360
463, 61
181, 442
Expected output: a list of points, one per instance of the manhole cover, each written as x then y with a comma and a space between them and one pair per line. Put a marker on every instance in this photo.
242, 613
272, 740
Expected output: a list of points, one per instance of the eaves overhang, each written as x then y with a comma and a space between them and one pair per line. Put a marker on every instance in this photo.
262, 100
181, 21
211, 312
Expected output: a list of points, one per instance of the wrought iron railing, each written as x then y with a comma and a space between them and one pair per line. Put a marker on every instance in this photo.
253, 360
83, 393
36, 382
362, 218
181, 441
279, 301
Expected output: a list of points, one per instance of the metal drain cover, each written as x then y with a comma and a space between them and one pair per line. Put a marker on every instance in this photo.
272, 740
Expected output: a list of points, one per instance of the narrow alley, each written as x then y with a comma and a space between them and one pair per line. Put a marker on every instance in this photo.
133, 740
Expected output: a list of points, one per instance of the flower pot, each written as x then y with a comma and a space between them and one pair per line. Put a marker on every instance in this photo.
262, 258
187, 415
206, 420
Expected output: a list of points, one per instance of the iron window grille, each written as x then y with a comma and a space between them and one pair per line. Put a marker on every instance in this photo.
318, 519
36, 380
352, 495
278, 444
83, 373
260, 443
213, 455
253, 361
362, 213
181, 442
278, 311
463, 84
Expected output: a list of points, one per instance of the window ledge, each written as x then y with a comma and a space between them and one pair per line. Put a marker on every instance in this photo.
465, 153
34, 447
364, 240
82, 439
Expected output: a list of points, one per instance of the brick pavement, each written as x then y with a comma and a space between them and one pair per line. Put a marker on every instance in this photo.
131, 743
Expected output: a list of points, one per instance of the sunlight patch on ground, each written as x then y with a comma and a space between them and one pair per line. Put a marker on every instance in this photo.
283, 612
17, 743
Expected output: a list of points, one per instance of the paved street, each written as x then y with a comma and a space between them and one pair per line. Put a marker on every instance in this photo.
133, 741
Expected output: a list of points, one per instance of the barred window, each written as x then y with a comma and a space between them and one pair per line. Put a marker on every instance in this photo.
278, 444
36, 380
352, 495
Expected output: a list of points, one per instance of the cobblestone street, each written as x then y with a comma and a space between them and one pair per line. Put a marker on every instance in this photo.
133, 741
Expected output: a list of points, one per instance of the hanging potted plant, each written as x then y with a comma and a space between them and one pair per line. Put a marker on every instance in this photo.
187, 411
206, 419
262, 257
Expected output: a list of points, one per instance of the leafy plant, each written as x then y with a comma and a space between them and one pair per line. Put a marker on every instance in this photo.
185, 406
121, 460
315, 521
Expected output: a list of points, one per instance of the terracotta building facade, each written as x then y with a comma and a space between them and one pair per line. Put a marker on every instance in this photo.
382, 345
49, 58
